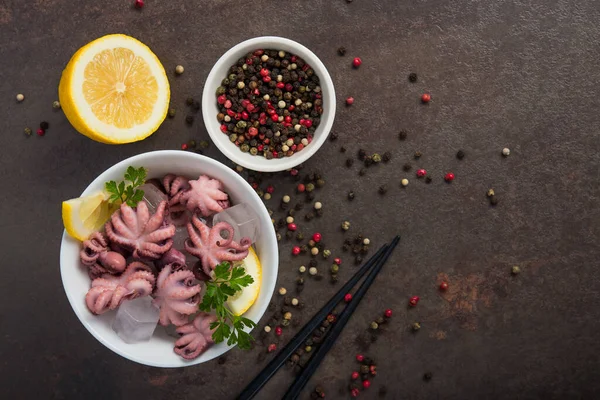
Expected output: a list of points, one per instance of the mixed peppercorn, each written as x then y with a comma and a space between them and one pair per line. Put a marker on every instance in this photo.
270, 104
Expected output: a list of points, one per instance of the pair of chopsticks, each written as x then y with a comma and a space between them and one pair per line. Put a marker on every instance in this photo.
376, 262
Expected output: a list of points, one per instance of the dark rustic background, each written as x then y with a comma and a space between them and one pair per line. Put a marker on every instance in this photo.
517, 74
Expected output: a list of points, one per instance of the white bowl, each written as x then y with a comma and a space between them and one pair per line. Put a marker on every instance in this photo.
158, 352
210, 110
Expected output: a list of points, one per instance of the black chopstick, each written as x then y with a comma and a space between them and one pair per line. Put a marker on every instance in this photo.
331, 337
273, 366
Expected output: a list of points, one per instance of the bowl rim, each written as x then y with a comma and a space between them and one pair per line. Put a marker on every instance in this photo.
261, 163
266, 285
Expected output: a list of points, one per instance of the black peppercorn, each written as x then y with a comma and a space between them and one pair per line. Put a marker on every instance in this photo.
362, 154
493, 200
402, 135
362, 172
418, 155
189, 101
412, 77
349, 162
189, 120
407, 167
320, 212
350, 195
289, 235
382, 391
364, 369
427, 376
382, 189
380, 320
333, 136
358, 260
310, 197
299, 206
312, 263
299, 236
387, 156
300, 281
44, 125
287, 301
368, 161
428, 179
310, 215
345, 248
342, 51
320, 183
460, 154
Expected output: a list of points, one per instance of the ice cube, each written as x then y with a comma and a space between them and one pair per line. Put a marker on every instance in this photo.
136, 320
181, 235
243, 219
153, 196
171, 330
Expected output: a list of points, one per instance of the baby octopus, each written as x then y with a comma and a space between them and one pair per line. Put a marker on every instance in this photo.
177, 295
195, 336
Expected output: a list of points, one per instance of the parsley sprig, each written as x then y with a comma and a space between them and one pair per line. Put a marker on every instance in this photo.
127, 193
227, 326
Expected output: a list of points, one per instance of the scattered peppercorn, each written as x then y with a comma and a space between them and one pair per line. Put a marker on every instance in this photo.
362, 172
56, 104
449, 177
139, 4
418, 155
41, 132
349, 162
374, 325
342, 51
44, 125
342, 149
421, 173
360, 358
172, 113
20, 97
416, 326
189, 119
427, 376
376, 158
272, 347
515, 270
444, 286
366, 383
493, 200
506, 152
27, 131
349, 101
184, 146
388, 313
413, 301
387, 156
350, 195
490, 193
382, 189
412, 77
428, 179
426, 98
407, 167
402, 135
354, 375
345, 225
460, 154
348, 297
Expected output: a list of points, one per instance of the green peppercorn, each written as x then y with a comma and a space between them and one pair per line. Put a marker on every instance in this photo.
27, 131
241, 125
416, 326
232, 137
374, 325
335, 268
56, 104
418, 155
326, 253
308, 349
285, 322
320, 183
245, 148
253, 151
310, 187
299, 236
376, 158
345, 225
221, 90
278, 236
192, 144
172, 113
515, 270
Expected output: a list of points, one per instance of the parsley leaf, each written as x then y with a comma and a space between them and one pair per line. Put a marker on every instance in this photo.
226, 283
127, 193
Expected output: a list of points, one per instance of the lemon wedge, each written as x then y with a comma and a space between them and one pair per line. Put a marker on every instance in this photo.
85, 215
115, 90
243, 300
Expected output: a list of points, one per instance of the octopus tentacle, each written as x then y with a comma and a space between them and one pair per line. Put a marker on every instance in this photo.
100, 259
147, 237
176, 295
208, 245
196, 336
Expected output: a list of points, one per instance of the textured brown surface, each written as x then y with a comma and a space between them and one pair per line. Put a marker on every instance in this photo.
520, 74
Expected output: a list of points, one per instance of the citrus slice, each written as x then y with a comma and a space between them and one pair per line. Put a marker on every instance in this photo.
115, 90
85, 215
243, 300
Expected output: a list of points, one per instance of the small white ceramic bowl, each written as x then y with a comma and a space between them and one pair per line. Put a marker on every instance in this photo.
158, 352
210, 110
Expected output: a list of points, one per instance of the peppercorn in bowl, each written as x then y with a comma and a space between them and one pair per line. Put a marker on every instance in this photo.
268, 104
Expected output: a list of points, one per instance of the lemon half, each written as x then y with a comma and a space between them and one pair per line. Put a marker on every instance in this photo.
85, 215
243, 300
115, 90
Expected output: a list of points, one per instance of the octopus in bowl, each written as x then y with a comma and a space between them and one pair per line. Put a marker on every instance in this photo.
162, 244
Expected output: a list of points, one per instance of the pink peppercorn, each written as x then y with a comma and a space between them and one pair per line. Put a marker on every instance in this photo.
300, 188
421, 173
366, 383
253, 131
278, 331
360, 357
296, 250
41, 132
270, 189
308, 123
294, 172
184, 146
355, 375
449, 177
223, 128
274, 117
289, 87
316, 237
444, 286
227, 104
280, 85
266, 79
260, 147
356, 62
426, 97
139, 3
337, 260
264, 72
354, 392
292, 226
272, 347
350, 101
287, 119
221, 99
413, 301
388, 313
348, 297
